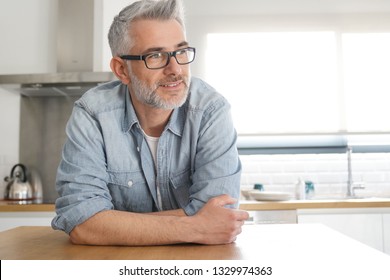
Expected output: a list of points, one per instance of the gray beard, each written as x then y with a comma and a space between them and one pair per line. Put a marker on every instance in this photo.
148, 95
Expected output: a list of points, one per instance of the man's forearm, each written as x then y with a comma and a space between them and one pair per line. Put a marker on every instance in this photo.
125, 228
213, 224
177, 212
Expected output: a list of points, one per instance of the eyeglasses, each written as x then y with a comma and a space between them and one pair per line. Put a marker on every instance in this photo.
158, 60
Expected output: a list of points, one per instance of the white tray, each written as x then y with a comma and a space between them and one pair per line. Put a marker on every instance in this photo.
271, 196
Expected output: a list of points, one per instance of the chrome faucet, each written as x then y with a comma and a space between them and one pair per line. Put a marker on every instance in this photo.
350, 182
351, 186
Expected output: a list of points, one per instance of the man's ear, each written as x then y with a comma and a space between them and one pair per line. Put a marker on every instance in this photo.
119, 68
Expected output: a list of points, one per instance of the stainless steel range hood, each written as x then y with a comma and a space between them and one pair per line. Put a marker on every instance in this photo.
54, 84
75, 50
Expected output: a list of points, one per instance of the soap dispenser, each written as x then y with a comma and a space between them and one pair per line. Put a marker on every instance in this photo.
300, 189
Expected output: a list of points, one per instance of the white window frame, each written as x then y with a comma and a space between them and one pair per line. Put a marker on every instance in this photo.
295, 143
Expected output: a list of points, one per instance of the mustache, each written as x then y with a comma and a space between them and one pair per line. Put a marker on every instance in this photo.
173, 79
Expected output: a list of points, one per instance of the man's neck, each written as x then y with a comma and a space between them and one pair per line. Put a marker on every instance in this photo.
152, 120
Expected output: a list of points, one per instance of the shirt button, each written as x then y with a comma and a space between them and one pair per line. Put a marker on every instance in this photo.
138, 149
130, 183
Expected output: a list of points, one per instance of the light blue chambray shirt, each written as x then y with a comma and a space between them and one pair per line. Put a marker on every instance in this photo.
106, 161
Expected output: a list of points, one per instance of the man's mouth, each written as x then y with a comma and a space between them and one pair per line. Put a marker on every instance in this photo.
171, 85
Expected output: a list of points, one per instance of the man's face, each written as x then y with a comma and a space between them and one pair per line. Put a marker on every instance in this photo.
165, 88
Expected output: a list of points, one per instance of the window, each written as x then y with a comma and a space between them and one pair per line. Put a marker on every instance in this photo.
303, 82
366, 65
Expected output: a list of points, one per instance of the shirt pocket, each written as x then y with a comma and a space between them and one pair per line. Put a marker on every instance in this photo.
130, 192
180, 184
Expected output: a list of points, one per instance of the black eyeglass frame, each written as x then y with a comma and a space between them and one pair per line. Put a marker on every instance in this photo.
170, 54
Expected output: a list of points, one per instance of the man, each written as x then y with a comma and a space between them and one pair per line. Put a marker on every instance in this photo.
150, 159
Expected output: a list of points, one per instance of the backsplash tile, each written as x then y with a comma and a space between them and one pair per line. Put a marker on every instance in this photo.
328, 172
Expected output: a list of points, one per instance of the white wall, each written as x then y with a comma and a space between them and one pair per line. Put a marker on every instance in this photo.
27, 29
261, 7
109, 10
9, 134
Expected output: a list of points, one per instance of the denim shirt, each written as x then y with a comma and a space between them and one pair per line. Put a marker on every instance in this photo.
106, 162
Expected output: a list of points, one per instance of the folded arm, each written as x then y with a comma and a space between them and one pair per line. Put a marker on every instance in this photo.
213, 224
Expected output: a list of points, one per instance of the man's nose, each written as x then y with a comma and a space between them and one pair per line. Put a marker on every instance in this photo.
173, 66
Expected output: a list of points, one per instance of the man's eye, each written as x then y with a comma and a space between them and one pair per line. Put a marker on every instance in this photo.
181, 52
155, 56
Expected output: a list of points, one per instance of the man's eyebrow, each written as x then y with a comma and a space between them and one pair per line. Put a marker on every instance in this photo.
153, 50
159, 49
182, 44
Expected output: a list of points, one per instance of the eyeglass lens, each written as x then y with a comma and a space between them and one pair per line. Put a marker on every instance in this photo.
161, 59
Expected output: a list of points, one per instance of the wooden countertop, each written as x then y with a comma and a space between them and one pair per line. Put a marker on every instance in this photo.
45, 243
292, 251
307, 251
254, 242
13, 206
247, 205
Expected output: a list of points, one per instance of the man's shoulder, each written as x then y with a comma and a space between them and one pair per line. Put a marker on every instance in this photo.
105, 97
202, 88
204, 96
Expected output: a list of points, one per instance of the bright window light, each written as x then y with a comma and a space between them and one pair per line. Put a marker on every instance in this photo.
277, 82
366, 60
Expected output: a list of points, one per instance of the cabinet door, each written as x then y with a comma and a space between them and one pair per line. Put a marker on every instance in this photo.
366, 228
10, 220
386, 233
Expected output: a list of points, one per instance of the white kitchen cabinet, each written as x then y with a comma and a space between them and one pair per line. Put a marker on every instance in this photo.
28, 45
365, 225
10, 220
386, 233
273, 217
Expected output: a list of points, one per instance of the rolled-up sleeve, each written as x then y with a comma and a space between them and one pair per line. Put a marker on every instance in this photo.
82, 176
217, 165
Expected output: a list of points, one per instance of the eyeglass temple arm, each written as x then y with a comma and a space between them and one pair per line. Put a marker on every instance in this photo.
132, 57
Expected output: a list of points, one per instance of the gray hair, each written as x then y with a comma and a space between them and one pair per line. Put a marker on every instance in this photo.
118, 35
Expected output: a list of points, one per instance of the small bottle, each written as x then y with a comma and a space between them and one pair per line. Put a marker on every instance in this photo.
258, 187
300, 189
309, 189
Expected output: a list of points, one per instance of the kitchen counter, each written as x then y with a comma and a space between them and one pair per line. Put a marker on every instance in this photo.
291, 250
252, 205
254, 242
248, 205
14, 206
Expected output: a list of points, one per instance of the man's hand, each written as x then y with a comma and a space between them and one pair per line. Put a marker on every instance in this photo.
216, 224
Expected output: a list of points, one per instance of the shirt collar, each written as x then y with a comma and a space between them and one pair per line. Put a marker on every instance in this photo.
130, 118
175, 123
